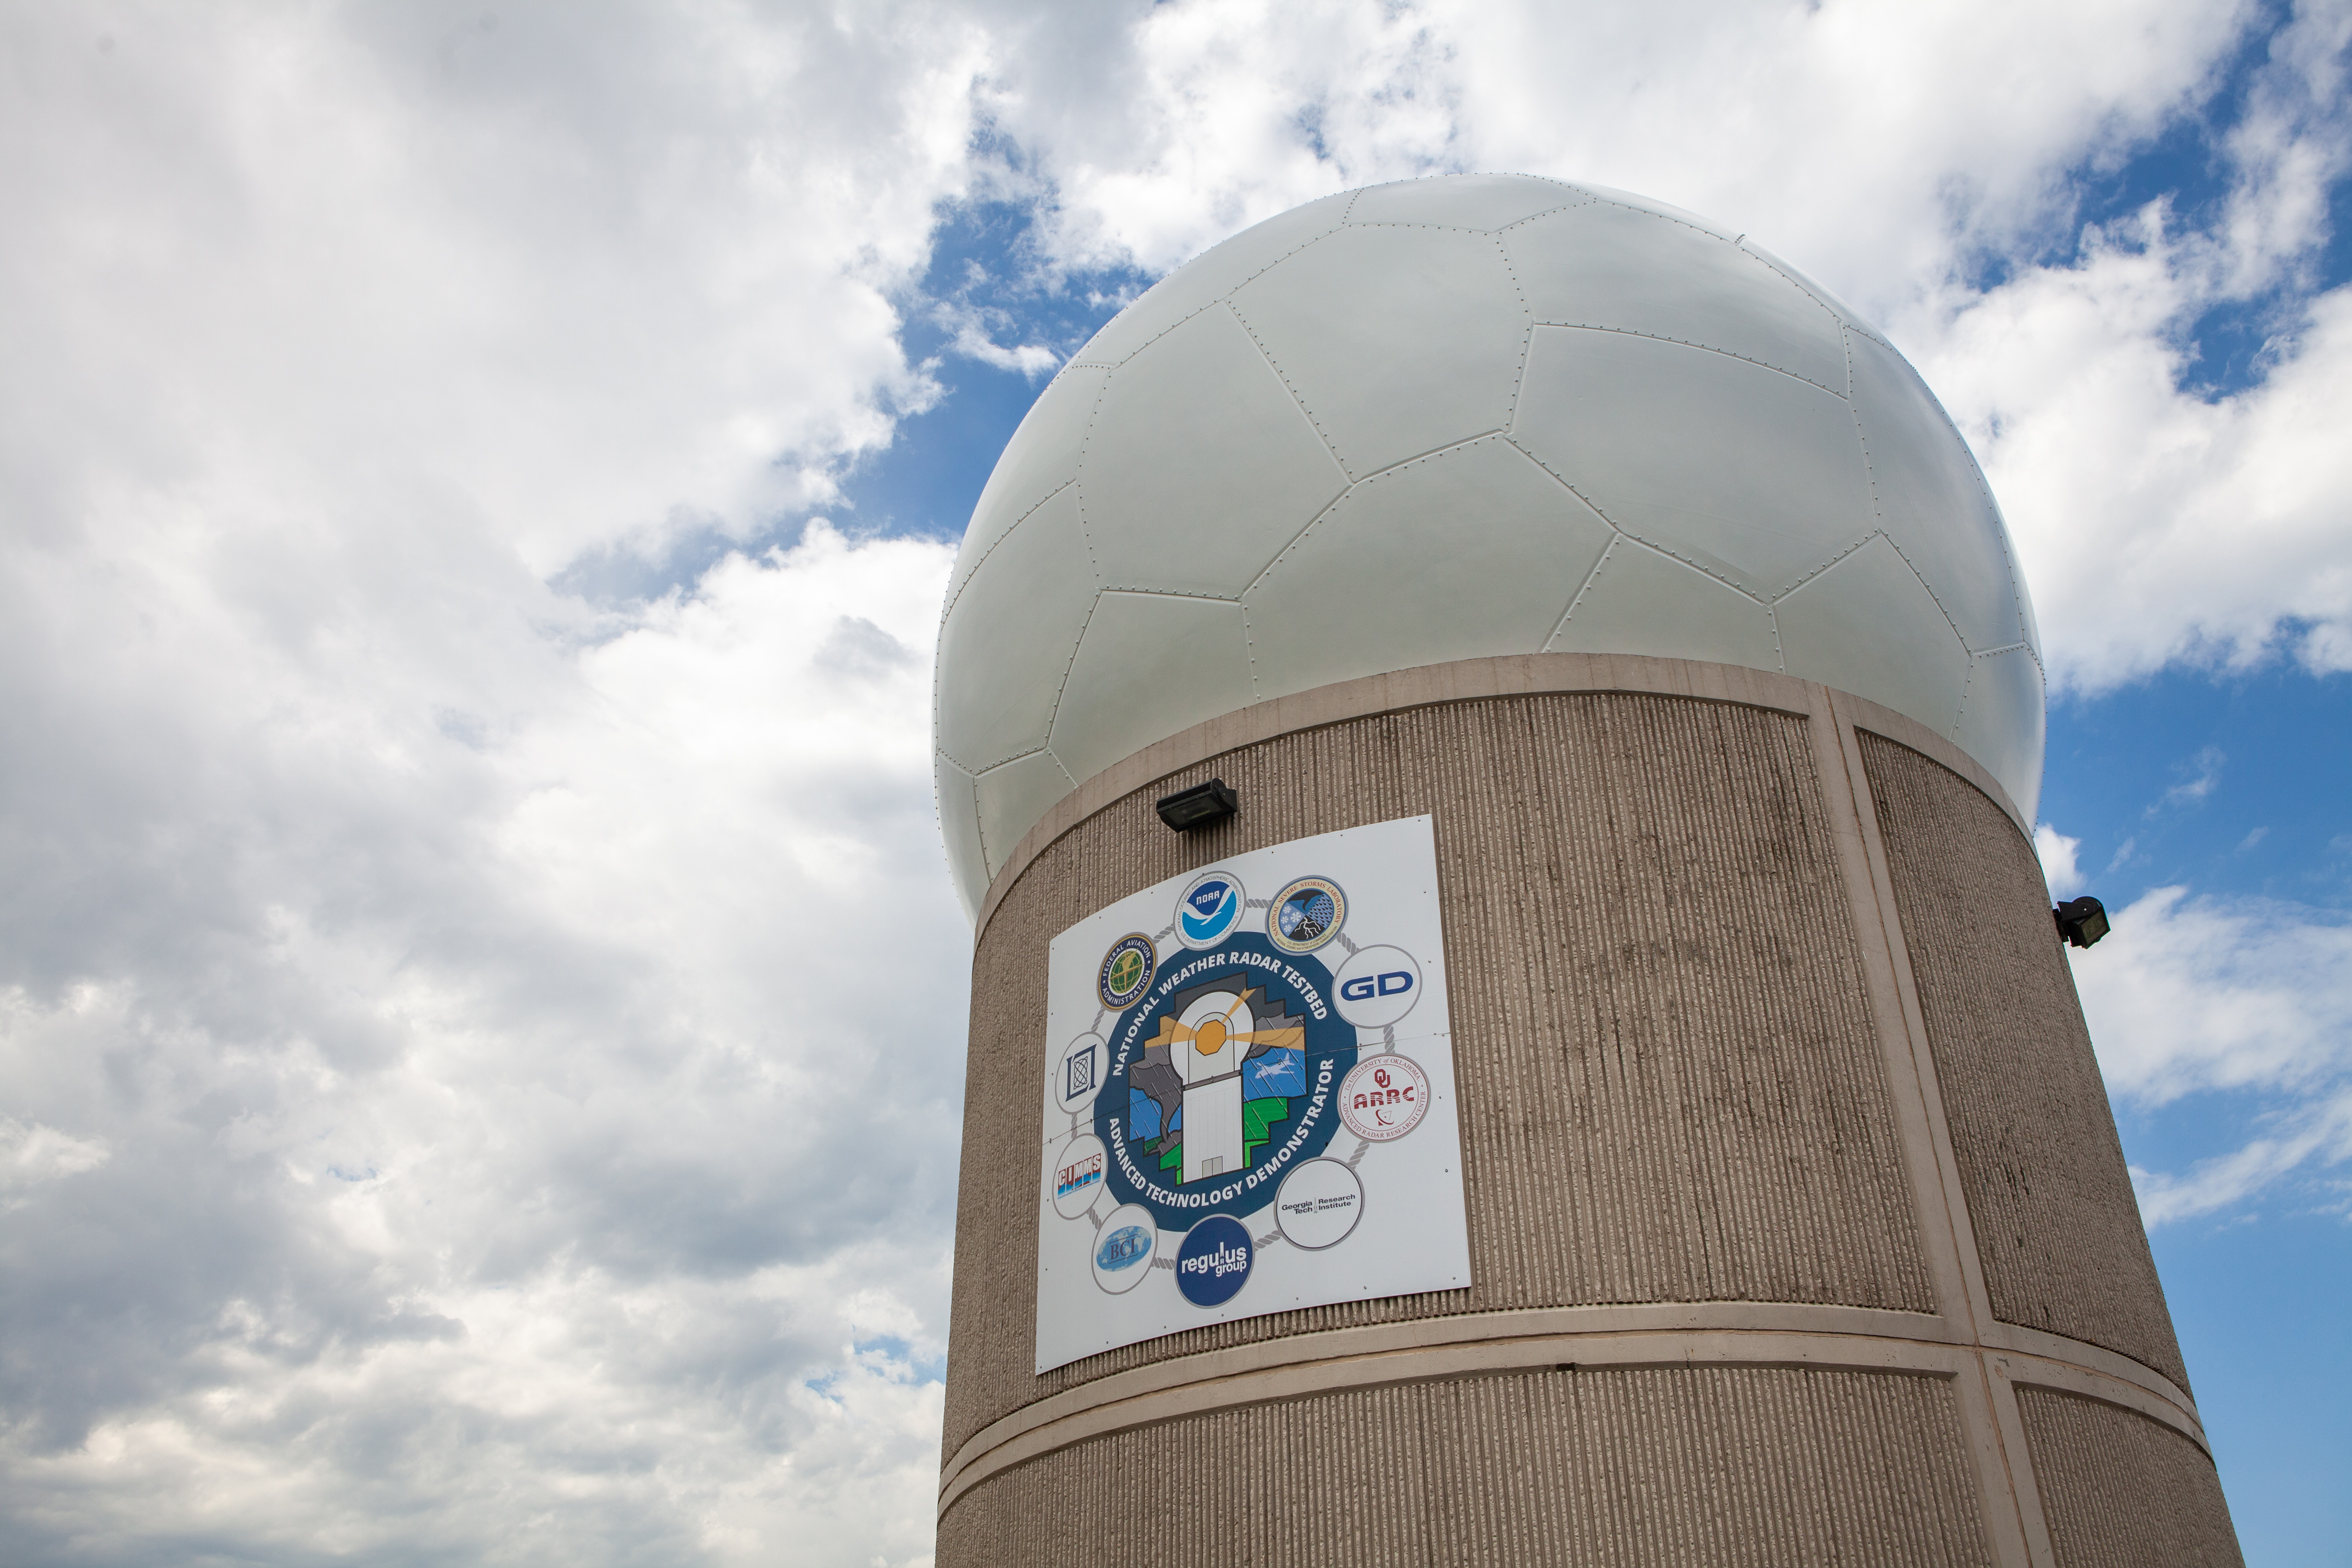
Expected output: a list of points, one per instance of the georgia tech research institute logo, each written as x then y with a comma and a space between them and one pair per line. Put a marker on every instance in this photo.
1127, 971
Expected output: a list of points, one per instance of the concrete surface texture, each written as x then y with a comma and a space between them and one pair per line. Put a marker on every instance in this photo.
1799, 1229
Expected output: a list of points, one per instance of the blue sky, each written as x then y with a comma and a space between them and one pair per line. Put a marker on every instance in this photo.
476, 492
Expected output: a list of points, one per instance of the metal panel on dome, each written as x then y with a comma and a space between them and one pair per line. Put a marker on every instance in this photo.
959, 827
1932, 499
1869, 625
1042, 458
1609, 266
1642, 602
1361, 591
1209, 277
1200, 466
2001, 724
1463, 201
1754, 475
1148, 665
1006, 641
1011, 798
1363, 312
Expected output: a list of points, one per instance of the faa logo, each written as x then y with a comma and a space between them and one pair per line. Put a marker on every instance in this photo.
1209, 909
1127, 971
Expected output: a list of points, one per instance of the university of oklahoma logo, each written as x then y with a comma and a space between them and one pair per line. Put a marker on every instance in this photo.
1385, 1098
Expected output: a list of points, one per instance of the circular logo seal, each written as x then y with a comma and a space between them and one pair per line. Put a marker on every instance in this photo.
1221, 1078
1213, 1264
1123, 1248
1307, 914
1384, 1096
1209, 909
1375, 987
1076, 1176
1075, 1076
1319, 1204
1126, 969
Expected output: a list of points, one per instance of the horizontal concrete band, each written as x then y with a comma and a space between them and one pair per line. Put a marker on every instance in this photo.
1470, 680
1743, 1334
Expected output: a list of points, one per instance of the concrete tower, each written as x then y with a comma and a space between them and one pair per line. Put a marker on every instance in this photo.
1613, 1093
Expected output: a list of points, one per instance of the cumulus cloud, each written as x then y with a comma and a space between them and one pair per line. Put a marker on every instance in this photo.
467, 1141
2215, 995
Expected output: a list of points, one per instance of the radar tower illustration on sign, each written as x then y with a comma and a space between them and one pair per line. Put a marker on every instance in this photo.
1591, 623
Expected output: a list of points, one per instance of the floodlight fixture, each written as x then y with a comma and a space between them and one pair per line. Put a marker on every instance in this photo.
1203, 805
2081, 921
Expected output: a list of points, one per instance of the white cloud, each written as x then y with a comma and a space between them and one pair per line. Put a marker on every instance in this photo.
2245, 997
35, 1154
470, 1139
2057, 854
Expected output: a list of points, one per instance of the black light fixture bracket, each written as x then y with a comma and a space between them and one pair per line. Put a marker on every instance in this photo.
2081, 921
1203, 805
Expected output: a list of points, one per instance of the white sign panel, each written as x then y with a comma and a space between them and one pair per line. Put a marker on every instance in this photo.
1249, 1101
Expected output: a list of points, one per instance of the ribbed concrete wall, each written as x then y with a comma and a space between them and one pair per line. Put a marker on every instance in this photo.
2056, 1225
2122, 1492
1729, 1466
1670, 1086
1755, 1012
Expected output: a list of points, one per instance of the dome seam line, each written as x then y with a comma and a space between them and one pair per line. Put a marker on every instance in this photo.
1703, 348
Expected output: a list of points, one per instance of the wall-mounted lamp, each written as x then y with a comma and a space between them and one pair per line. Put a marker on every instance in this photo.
2081, 921
1203, 805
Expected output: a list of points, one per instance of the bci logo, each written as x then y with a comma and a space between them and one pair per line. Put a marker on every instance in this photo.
1364, 987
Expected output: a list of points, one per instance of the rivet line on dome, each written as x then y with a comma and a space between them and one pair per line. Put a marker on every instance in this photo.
1693, 343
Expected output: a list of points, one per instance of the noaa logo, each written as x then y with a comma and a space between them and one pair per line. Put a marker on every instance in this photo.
1307, 914
1127, 971
1210, 909
1213, 1264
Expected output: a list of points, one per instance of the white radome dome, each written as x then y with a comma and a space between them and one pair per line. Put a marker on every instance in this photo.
1451, 418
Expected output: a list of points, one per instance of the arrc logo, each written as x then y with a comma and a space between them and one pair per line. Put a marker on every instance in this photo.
1364, 987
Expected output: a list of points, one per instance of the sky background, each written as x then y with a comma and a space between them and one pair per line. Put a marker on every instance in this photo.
481, 1003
